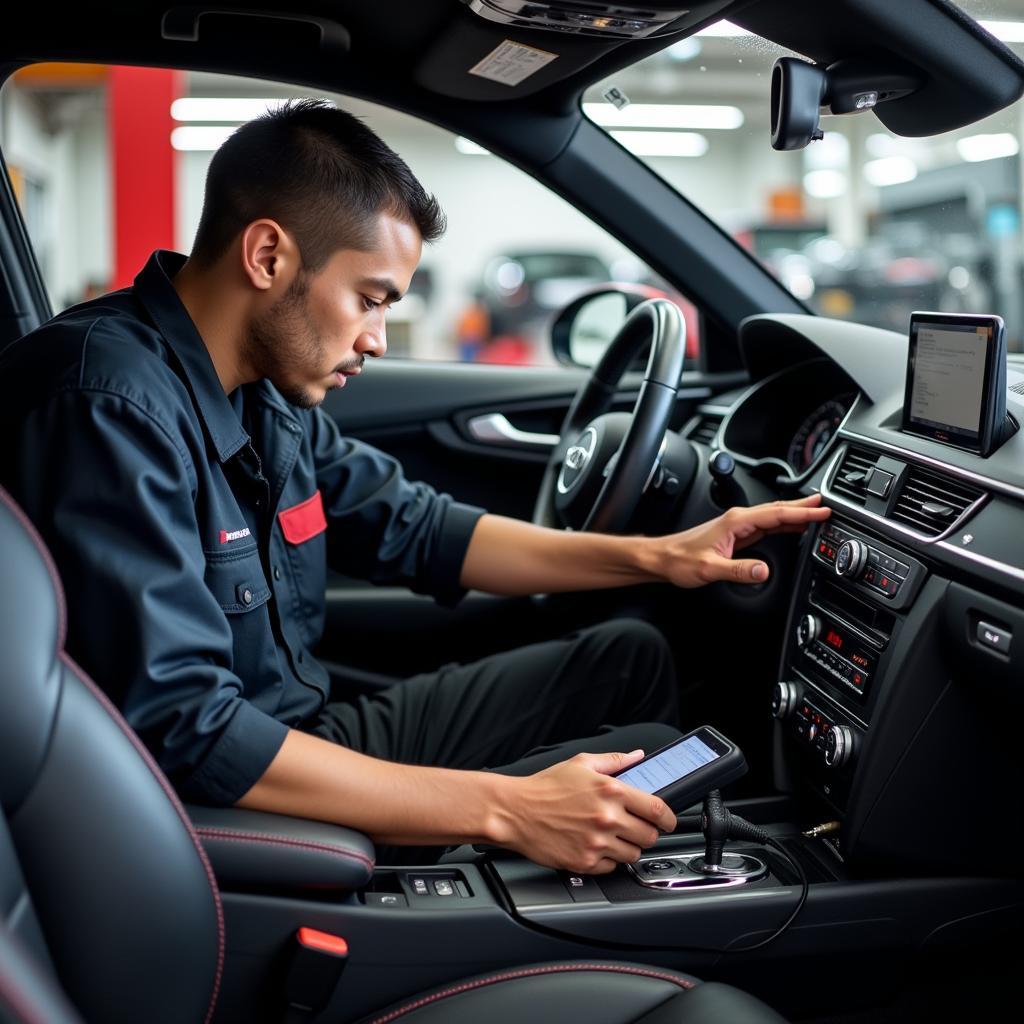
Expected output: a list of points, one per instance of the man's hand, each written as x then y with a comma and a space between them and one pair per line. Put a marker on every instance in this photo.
573, 816
705, 553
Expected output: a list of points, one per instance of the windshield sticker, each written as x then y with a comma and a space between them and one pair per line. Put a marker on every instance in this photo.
511, 63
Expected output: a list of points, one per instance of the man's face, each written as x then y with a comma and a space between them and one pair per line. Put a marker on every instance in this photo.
320, 332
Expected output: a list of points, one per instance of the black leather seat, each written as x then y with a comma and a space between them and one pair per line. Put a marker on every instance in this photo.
110, 911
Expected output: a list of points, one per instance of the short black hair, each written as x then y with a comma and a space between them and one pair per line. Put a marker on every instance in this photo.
318, 171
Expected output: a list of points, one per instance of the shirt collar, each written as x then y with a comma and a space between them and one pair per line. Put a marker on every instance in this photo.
154, 290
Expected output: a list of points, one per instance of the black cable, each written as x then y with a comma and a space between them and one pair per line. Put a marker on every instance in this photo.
643, 948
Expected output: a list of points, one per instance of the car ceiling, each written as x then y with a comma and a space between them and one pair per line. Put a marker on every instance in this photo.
416, 54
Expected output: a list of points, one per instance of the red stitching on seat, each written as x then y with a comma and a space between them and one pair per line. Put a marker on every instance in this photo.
147, 758
111, 710
469, 986
255, 837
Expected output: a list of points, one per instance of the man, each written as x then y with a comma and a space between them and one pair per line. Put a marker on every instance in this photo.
167, 441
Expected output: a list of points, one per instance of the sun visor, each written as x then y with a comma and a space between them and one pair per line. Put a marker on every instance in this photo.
966, 74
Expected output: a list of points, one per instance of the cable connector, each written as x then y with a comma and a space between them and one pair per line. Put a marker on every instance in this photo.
824, 829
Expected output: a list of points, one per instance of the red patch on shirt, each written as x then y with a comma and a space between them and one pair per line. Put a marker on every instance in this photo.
304, 521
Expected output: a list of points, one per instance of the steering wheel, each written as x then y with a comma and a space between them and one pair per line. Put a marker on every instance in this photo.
604, 461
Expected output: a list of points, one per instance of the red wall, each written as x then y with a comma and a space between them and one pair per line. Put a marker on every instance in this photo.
142, 162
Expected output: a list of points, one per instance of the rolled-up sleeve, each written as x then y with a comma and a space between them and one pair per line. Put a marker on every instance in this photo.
119, 513
384, 528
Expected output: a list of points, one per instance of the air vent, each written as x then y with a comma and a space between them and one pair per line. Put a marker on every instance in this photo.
932, 502
705, 428
851, 477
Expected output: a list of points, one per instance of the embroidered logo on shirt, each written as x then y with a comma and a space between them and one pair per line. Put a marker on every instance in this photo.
227, 536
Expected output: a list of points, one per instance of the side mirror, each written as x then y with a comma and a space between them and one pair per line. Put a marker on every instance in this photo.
583, 330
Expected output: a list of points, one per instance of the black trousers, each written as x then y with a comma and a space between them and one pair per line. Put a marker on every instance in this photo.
610, 687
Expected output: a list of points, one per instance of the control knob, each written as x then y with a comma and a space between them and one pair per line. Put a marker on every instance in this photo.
851, 558
807, 629
784, 698
838, 746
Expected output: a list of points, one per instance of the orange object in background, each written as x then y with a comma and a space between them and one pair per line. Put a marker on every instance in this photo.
786, 203
64, 76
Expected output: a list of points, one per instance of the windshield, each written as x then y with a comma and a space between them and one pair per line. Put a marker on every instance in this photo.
862, 225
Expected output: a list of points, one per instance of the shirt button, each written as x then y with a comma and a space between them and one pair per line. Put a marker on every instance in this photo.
277, 572
247, 596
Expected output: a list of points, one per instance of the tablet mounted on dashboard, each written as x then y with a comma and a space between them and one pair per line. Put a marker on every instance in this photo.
956, 380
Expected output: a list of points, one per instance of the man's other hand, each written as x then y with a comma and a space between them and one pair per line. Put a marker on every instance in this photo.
574, 816
705, 553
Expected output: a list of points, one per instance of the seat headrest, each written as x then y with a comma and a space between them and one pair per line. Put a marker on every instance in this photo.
32, 631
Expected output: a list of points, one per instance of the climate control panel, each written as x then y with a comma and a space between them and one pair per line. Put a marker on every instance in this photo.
856, 560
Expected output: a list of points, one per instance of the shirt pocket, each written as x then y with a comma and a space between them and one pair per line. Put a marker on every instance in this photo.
236, 580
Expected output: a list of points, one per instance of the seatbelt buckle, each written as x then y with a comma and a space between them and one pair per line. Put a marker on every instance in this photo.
318, 963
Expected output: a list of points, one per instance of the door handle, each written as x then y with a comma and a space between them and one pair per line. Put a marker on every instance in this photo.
494, 428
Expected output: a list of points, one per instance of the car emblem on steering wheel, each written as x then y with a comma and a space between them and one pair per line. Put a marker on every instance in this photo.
576, 457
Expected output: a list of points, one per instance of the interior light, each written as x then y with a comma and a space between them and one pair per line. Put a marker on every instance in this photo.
724, 29
663, 143
975, 148
224, 108
664, 115
1007, 31
196, 138
890, 170
469, 147
825, 183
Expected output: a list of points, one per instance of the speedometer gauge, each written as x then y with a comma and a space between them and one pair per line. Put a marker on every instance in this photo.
815, 433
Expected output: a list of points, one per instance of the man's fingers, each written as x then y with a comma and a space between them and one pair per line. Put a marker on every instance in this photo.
609, 764
734, 570
648, 808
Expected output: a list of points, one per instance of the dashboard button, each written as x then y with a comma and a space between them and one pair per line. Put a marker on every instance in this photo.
995, 637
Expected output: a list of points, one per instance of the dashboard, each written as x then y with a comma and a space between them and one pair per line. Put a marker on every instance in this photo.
905, 631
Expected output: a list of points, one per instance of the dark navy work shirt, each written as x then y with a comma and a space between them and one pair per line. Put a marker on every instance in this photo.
193, 529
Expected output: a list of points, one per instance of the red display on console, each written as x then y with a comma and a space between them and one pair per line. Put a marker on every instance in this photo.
833, 638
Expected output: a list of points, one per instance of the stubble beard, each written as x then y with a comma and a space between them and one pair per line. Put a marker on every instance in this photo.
285, 338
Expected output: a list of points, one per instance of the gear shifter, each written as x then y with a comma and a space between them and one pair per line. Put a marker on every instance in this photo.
718, 824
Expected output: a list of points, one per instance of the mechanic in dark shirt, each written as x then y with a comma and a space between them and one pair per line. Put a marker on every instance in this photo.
167, 439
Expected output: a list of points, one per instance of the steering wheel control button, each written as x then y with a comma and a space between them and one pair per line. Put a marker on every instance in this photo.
994, 637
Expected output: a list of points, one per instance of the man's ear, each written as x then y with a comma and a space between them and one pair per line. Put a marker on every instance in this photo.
270, 257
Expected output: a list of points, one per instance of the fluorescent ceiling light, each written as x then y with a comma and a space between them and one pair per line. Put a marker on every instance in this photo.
890, 170
469, 147
975, 148
664, 115
224, 108
193, 138
879, 144
825, 184
663, 143
724, 30
685, 49
1007, 31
